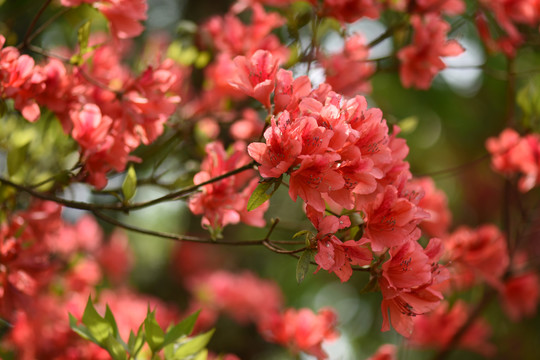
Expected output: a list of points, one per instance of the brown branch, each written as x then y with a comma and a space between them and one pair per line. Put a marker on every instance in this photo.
455, 169
389, 32
26, 39
488, 296
121, 206
184, 238
269, 245
46, 24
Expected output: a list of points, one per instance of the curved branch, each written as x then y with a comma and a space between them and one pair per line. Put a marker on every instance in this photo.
477, 311
121, 206
32, 25
455, 169
171, 236
185, 238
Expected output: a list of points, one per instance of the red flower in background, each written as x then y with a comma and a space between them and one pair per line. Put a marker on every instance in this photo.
301, 330
421, 60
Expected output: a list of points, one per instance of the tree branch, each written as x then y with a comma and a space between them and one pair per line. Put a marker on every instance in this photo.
121, 206
489, 295
27, 36
184, 238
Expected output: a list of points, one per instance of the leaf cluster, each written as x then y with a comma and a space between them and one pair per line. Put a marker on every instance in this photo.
173, 344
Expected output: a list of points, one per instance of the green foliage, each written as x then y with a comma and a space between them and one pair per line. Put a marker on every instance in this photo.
528, 99
83, 35
36, 151
129, 186
184, 328
188, 55
102, 331
262, 194
191, 348
175, 342
155, 336
302, 266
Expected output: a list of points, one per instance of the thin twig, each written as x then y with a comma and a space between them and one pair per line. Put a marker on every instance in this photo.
47, 23
489, 295
185, 238
121, 206
389, 32
454, 169
26, 39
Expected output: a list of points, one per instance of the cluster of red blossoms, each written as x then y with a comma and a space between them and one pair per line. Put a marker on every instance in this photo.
513, 154
249, 299
339, 155
108, 110
341, 159
40, 252
336, 154
124, 16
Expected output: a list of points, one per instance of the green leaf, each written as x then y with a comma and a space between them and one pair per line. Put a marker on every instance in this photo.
528, 99
193, 345
154, 334
129, 186
184, 328
302, 266
358, 232
168, 351
300, 233
136, 342
202, 355
202, 59
114, 348
109, 317
82, 331
409, 124
260, 195
83, 34
98, 326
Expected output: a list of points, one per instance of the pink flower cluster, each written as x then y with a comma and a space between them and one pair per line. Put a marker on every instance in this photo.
20, 80
351, 10
438, 328
24, 255
421, 60
244, 297
247, 298
123, 15
435, 204
513, 154
28, 241
225, 202
301, 330
339, 155
105, 108
509, 14
477, 255
352, 61
408, 284
115, 112
229, 37
48, 269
